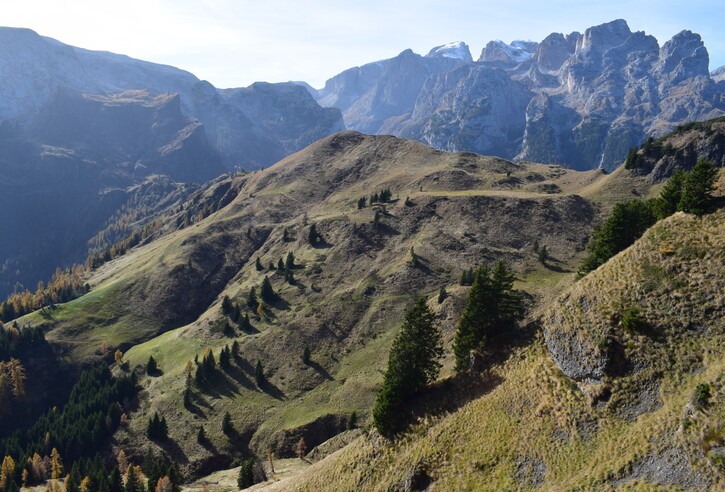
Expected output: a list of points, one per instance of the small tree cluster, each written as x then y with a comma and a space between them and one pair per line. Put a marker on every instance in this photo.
492, 308
157, 429
467, 277
383, 197
206, 371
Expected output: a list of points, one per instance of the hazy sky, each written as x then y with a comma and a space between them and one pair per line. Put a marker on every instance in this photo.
233, 43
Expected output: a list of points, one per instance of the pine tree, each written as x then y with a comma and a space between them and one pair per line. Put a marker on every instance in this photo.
201, 435
224, 358
258, 264
543, 255
413, 363
289, 276
285, 235
245, 325
413, 257
280, 265
151, 366
670, 195
252, 301
235, 345
313, 236
246, 474
442, 294
623, 227
227, 306
289, 263
697, 191
492, 307
306, 356
227, 426
361, 203
267, 292
259, 375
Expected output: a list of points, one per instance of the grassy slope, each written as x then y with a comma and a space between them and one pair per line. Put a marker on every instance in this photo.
456, 222
537, 427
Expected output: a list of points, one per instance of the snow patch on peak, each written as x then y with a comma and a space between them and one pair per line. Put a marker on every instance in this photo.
457, 50
518, 51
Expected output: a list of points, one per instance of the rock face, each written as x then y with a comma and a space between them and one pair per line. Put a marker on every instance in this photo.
33, 68
584, 99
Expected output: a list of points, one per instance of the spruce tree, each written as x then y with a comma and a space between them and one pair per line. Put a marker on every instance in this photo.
289, 263
246, 474
266, 292
697, 191
280, 265
623, 227
258, 264
227, 306
492, 308
227, 426
475, 322
313, 237
670, 195
151, 366
259, 375
413, 363
252, 301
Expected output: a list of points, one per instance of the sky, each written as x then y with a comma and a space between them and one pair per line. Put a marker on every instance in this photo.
232, 43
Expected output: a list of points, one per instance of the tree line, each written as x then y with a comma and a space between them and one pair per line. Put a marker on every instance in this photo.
686, 192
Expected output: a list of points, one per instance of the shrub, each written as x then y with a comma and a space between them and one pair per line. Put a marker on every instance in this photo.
701, 396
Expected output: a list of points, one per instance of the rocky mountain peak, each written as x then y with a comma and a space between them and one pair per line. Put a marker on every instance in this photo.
554, 50
457, 50
603, 37
684, 56
516, 52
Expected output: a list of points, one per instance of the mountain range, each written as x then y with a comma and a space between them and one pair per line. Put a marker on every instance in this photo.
581, 100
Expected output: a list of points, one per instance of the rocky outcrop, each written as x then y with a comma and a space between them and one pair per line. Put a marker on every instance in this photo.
589, 97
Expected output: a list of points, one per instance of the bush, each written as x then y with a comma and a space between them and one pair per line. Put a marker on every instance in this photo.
701, 396
632, 321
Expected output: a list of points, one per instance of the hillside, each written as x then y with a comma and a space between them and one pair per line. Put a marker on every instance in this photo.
345, 301
349, 292
616, 412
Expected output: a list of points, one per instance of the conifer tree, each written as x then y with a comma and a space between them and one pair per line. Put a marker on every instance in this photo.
227, 306
492, 307
306, 356
313, 236
289, 263
258, 264
246, 474
413, 363
151, 366
252, 301
670, 195
259, 375
280, 265
623, 227
442, 294
267, 292
227, 426
697, 191
361, 203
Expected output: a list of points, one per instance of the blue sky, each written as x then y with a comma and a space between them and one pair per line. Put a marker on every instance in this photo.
233, 43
